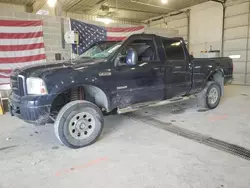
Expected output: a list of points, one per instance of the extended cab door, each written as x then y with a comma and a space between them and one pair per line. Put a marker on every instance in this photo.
143, 81
178, 71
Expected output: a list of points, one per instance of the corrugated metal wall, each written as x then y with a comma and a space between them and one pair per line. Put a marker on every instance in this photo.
236, 39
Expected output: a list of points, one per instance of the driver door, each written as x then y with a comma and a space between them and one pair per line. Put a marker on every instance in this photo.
143, 81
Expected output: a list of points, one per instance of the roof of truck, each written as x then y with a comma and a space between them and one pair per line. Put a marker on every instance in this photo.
154, 35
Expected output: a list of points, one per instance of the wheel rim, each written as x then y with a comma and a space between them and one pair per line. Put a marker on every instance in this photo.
82, 125
213, 96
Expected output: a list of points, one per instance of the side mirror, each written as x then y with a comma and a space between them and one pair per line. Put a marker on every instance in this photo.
191, 57
132, 57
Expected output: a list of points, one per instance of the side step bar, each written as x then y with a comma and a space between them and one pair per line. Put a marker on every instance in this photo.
151, 104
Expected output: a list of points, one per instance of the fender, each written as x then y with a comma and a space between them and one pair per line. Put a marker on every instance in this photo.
220, 81
214, 71
101, 97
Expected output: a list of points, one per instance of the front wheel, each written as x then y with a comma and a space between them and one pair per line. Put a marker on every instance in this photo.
78, 124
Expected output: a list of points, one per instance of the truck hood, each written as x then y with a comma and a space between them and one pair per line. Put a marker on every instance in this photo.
43, 69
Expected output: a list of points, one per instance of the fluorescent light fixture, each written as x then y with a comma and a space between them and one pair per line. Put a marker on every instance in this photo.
51, 3
104, 20
235, 56
164, 1
43, 12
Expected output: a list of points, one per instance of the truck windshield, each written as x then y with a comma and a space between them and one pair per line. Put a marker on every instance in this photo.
100, 51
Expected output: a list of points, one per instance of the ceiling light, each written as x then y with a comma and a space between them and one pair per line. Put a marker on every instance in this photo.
104, 20
164, 1
51, 3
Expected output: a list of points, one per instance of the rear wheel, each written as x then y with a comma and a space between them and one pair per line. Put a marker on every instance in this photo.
78, 124
213, 95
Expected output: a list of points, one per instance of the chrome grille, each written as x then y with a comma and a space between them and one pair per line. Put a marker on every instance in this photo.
17, 84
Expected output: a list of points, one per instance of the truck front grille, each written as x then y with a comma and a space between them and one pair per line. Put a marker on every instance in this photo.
17, 84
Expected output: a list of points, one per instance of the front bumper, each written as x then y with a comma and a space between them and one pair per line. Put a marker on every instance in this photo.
31, 109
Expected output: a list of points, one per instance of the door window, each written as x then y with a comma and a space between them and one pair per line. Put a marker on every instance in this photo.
145, 50
174, 49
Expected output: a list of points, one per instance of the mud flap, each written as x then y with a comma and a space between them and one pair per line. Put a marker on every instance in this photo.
202, 96
11, 110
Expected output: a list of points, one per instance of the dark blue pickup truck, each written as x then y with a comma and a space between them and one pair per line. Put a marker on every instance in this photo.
144, 70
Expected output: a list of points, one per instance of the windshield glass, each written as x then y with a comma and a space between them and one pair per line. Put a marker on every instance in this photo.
100, 51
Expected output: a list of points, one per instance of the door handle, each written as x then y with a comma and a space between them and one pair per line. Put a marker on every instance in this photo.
161, 69
178, 67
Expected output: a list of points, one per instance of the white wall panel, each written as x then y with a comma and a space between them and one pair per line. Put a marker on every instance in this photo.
235, 2
248, 54
237, 9
155, 23
185, 37
249, 43
239, 67
178, 23
237, 32
236, 38
197, 48
239, 79
205, 27
236, 21
248, 67
235, 45
161, 31
156, 26
243, 55
183, 31
248, 79
12, 7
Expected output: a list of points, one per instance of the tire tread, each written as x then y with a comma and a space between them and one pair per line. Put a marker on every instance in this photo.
62, 113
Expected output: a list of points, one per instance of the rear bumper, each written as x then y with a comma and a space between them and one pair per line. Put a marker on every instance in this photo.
31, 109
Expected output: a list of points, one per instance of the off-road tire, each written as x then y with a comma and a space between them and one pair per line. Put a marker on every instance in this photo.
69, 111
204, 95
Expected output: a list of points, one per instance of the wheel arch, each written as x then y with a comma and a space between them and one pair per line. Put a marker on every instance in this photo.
101, 98
218, 76
90, 93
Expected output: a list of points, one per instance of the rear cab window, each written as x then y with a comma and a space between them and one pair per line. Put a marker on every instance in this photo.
174, 49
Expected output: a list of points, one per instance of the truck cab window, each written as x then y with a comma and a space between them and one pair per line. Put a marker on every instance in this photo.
174, 49
145, 50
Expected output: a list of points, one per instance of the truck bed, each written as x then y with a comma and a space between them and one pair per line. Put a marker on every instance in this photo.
224, 63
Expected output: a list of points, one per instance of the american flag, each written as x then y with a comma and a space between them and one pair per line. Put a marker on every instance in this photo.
21, 44
90, 34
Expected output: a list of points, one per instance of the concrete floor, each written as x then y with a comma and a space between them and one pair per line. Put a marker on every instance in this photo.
131, 153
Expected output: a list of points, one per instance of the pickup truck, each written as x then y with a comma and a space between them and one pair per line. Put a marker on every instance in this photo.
144, 70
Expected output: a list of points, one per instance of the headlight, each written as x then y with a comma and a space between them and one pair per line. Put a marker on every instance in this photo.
36, 86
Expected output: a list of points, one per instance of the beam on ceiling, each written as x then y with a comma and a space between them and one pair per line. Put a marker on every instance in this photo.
126, 9
218, 1
29, 7
72, 6
141, 11
42, 3
97, 6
